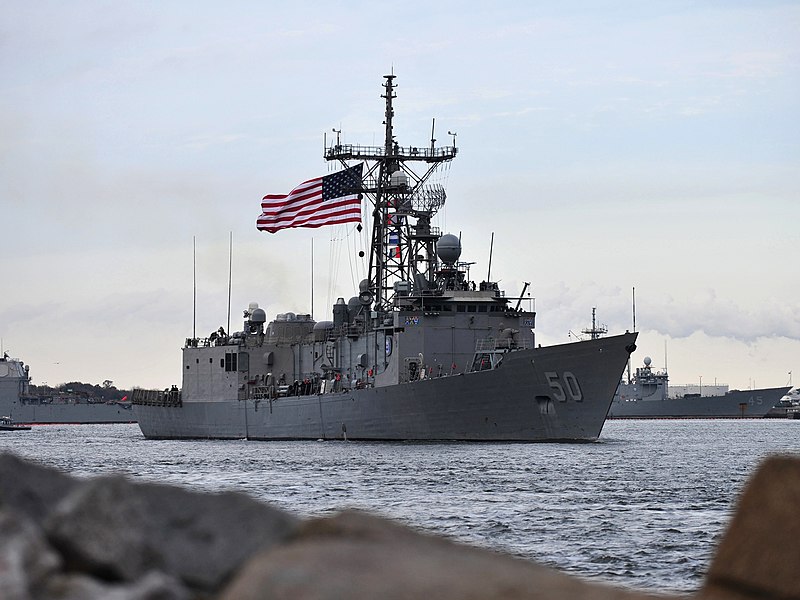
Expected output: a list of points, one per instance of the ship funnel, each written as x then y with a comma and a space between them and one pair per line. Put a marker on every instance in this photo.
340, 316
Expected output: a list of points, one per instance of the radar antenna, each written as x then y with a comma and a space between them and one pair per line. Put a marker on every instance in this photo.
395, 182
596, 330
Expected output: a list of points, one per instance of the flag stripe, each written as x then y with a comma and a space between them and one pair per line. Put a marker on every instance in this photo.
352, 207
310, 209
321, 201
345, 218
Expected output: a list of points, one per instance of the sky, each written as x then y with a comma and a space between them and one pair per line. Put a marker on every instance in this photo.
608, 146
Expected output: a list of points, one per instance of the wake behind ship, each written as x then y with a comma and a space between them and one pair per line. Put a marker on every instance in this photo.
422, 352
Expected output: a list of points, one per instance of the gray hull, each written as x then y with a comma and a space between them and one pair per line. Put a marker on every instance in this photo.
72, 414
747, 403
14, 406
544, 394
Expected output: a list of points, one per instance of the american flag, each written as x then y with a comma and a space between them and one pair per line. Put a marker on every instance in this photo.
327, 200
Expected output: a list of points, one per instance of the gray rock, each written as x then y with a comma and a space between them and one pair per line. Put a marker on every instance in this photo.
30, 488
153, 586
355, 556
26, 560
65, 539
118, 530
759, 554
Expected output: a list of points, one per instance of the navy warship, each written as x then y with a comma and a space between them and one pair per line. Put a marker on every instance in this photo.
422, 352
19, 404
648, 395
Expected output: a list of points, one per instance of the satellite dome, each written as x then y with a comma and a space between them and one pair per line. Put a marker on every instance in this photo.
399, 178
363, 285
448, 248
647, 361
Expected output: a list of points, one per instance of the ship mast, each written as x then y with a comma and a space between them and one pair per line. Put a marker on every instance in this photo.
596, 331
403, 243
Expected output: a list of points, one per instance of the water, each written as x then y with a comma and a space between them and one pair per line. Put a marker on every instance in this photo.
644, 507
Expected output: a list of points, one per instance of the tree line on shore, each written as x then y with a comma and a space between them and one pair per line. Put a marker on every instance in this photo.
103, 392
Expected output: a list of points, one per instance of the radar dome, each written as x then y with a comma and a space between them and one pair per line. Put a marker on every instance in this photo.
257, 315
363, 285
647, 361
448, 248
399, 178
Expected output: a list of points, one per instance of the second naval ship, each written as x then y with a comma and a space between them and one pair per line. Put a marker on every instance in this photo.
422, 352
648, 395
20, 405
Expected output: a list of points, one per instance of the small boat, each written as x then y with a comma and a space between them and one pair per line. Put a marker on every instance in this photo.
6, 424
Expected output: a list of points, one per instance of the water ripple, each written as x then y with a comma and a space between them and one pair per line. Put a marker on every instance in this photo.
643, 507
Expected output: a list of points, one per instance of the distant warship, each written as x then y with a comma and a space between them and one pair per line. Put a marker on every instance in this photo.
17, 403
649, 396
422, 352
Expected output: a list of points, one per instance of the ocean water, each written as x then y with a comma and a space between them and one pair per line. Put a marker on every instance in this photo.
643, 507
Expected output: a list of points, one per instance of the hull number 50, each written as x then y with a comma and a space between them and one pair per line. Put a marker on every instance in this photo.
565, 387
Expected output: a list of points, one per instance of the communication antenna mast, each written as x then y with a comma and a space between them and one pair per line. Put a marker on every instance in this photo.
194, 287
634, 330
596, 331
312, 277
491, 248
230, 278
395, 179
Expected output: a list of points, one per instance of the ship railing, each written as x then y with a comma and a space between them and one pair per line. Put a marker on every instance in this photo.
201, 342
490, 344
168, 397
307, 386
348, 329
262, 392
356, 151
414, 369
208, 342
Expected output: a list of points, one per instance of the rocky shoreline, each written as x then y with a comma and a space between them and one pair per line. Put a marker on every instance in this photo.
111, 538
